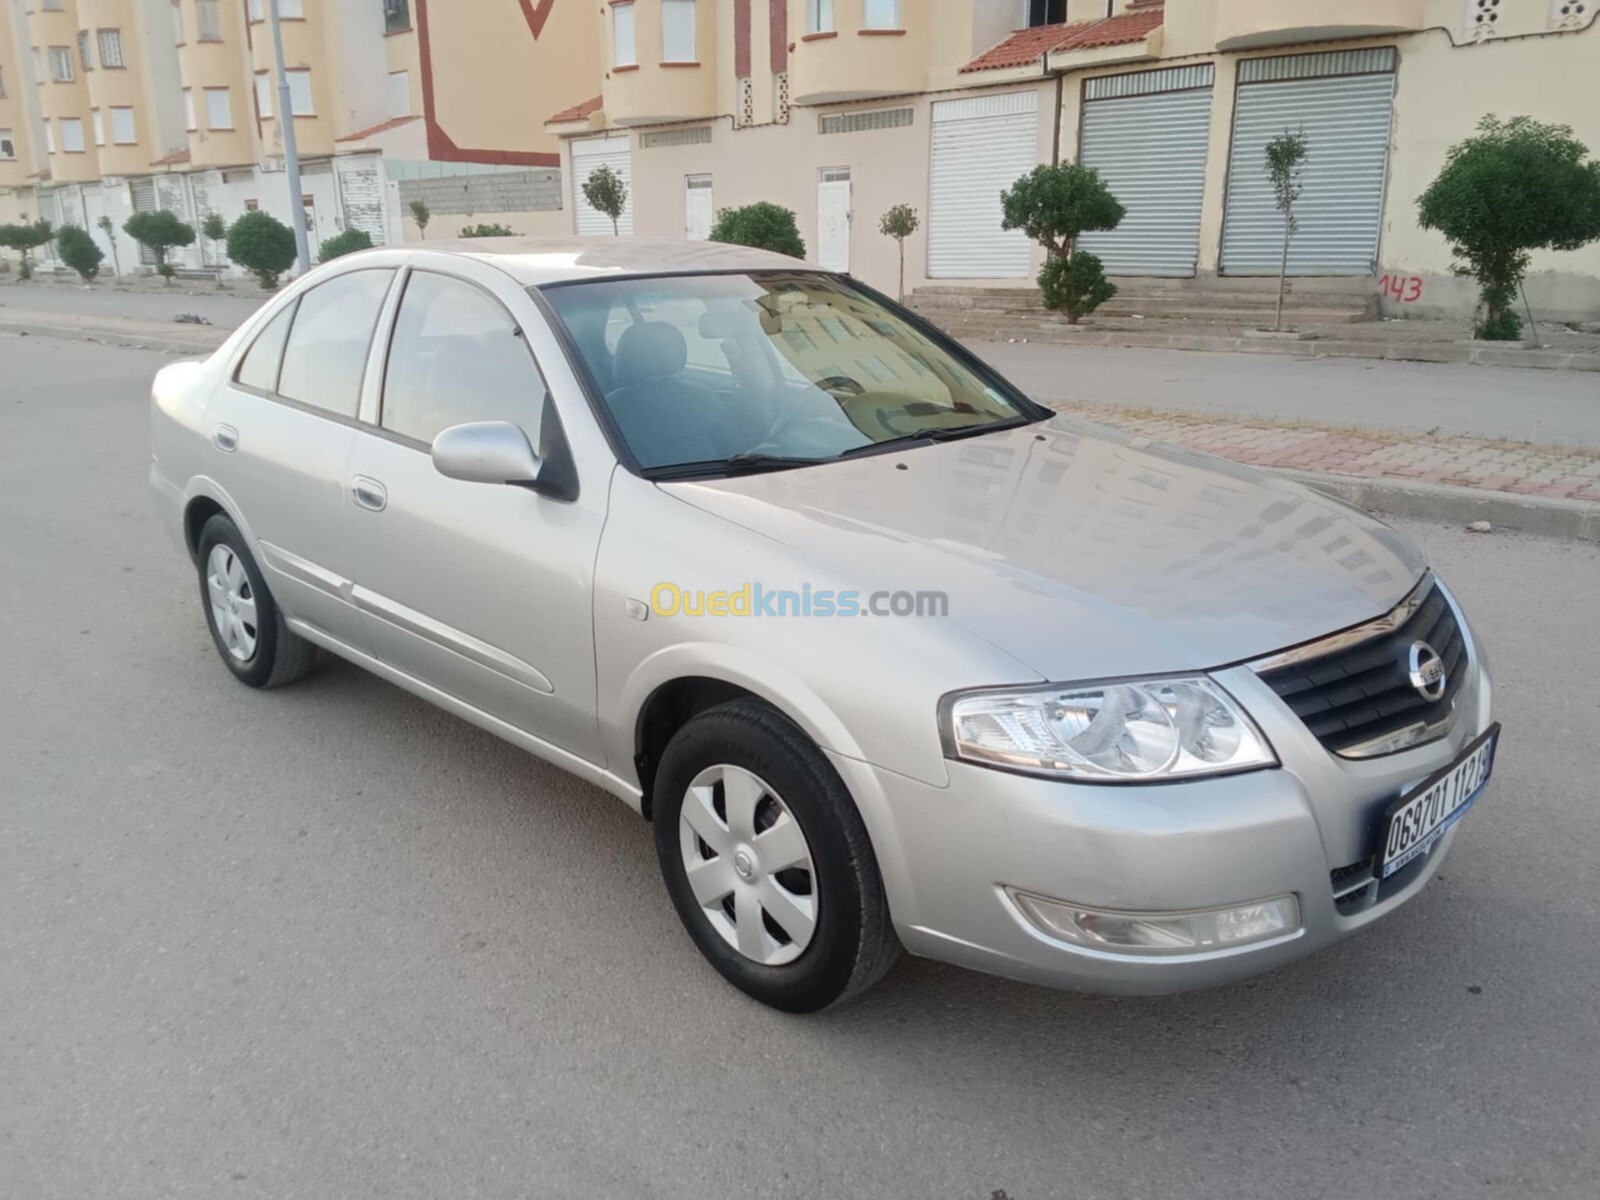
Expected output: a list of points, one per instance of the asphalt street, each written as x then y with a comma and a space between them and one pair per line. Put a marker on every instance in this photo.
330, 942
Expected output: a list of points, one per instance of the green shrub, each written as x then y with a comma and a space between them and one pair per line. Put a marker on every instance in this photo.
262, 245
159, 231
25, 239
1054, 205
347, 242
762, 225
1517, 186
476, 231
78, 250
605, 192
421, 214
900, 222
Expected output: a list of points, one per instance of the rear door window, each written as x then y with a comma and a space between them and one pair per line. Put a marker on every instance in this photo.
326, 353
259, 369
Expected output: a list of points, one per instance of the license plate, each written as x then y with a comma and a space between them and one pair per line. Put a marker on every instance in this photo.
1420, 817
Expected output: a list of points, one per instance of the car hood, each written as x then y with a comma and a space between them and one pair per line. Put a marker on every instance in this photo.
1079, 550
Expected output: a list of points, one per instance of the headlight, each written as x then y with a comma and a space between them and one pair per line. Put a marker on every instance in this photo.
1125, 730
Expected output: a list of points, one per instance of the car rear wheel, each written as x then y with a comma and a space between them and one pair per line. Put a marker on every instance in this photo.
767, 860
245, 622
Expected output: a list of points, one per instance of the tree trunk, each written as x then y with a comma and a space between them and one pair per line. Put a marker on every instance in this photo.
616, 229
902, 244
1283, 271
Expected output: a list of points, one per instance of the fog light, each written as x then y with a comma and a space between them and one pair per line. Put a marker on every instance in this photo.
1196, 932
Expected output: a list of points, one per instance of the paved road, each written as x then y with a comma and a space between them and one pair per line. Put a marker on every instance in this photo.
1519, 404
329, 942
223, 309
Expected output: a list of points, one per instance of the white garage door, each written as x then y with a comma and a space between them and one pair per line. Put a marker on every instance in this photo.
981, 147
587, 154
1146, 134
1341, 102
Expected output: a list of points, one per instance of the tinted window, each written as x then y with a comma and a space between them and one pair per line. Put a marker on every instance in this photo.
327, 350
260, 366
457, 356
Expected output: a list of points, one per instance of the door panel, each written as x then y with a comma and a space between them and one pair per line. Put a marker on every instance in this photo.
699, 214
833, 222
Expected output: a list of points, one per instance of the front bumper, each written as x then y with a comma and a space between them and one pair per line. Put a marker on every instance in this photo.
950, 854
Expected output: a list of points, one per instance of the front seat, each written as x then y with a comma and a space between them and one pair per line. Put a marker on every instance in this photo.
663, 418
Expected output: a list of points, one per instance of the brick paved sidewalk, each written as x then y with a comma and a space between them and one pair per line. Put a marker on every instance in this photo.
1515, 467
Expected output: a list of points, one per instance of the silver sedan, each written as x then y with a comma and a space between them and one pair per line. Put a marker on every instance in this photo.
889, 654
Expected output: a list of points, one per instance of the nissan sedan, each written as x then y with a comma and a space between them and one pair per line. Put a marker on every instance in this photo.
889, 654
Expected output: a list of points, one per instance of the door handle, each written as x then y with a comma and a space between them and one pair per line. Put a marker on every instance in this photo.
369, 493
225, 438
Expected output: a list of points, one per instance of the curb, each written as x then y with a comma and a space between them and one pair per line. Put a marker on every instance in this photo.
160, 341
1546, 516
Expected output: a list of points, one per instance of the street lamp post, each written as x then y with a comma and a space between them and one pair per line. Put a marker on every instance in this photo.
291, 155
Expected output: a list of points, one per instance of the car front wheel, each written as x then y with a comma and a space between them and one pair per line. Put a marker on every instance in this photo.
767, 860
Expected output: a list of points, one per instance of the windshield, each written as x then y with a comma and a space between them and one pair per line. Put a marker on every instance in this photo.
711, 373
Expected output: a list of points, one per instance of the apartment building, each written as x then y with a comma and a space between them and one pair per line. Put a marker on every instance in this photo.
108, 107
839, 109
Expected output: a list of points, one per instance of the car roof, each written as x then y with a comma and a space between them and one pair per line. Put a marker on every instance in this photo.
536, 261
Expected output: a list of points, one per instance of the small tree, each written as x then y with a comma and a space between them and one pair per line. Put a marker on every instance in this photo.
762, 225
1286, 156
262, 245
159, 231
25, 239
347, 242
1054, 205
421, 214
78, 250
215, 230
477, 231
1519, 185
109, 228
900, 222
605, 192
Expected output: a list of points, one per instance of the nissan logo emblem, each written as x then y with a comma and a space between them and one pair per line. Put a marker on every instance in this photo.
1426, 671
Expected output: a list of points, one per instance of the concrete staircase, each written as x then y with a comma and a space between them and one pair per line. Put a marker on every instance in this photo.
1209, 308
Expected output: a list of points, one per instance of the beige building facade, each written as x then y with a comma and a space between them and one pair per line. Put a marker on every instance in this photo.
838, 109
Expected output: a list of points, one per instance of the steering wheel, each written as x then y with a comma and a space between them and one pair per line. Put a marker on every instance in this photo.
840, 383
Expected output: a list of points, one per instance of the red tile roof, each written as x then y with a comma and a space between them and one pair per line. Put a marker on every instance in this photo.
1028, 46
172, 160
578, 112
381, 127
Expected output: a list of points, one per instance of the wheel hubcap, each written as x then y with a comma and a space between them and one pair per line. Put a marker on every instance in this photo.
749, 865
233, 603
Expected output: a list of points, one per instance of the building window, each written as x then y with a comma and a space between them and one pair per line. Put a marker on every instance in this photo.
219, 108
99, 127
208, 20
177, 23
111, 48
399, 93
264, 95
122, 130
1042, 12
61, 64
622, 51
287, 9
677, 31
189, 122
300, 94
8, 147
49, 136
396, 15
85, 57
880, 14
819, 16
72, 135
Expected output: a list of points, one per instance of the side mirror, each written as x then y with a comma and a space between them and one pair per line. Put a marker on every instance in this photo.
487, 452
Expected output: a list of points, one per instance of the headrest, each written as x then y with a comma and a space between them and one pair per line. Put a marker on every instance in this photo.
726, 320
650, 350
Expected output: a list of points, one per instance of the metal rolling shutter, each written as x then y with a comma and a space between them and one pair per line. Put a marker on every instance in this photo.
1146, 134
1341, 101
142, 193
587, 154
980, 147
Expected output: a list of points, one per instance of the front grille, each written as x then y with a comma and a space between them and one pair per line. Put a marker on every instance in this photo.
1359, 693
1357, 887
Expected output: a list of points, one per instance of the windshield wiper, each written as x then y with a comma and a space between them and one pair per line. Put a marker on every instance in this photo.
926, 437
744, 462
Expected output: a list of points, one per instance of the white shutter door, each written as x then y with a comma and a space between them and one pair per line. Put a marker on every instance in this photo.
1151, 152
1345, 121
980, 147
143, 194
587, 154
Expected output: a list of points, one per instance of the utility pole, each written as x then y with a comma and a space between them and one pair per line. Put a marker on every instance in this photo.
291, 155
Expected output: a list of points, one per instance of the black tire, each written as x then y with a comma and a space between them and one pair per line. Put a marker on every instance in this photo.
854, 943
280, 656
